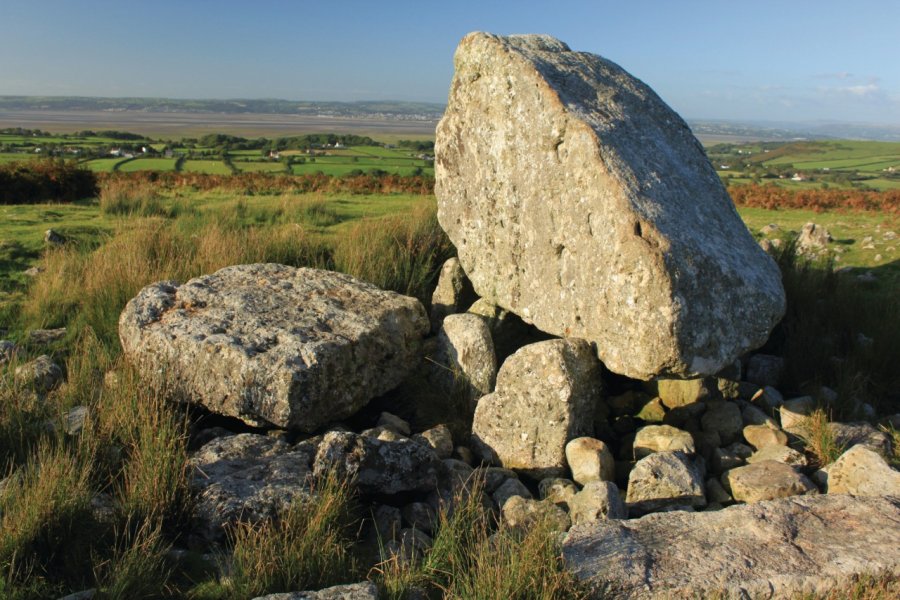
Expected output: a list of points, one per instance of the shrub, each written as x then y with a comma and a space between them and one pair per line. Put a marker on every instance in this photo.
49, 180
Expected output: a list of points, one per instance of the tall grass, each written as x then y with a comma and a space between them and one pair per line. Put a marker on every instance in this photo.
82, 288
46, 519
472, 558
838, 333
137, 198
308, 547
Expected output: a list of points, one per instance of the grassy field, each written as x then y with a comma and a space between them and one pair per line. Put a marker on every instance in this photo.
211, 167
148, 164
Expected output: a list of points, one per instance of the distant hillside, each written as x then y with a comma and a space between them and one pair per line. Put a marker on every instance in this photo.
390, 109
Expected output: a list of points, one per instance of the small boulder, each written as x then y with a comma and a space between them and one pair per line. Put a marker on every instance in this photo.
664, 480
40, 374
782, 454
597, 501
760, 436
509, 488
8, 351
464, 357
862, 472
54, 238
812, 238
674, 393
847, 435
453, 294
545, 397
590, 460
522, 513
766, 480
419, 516
355, 591
439, 439
557, 490
394, 423
247, 477
794, 413
662, 438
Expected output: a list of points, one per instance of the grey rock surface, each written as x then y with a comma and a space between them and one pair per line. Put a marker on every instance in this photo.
377, 466
664, 480
247, 477
580, 201
266, 343
354, 591
545, 397
781, 549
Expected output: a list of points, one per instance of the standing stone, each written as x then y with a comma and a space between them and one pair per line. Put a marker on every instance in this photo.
590, 460
297, 348
812, 238
464, 358
580, 201
545, 397
453, 293
664, 480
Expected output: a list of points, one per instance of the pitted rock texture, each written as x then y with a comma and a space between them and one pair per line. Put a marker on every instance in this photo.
376, 466
247, 477
789, 548
267, 343
545, 397
580, 201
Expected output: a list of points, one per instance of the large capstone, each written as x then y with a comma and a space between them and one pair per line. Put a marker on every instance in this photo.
272, 344
578, 200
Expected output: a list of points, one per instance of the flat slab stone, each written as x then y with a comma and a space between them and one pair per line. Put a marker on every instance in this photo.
787, 548
271, 344
247, 477
578, 200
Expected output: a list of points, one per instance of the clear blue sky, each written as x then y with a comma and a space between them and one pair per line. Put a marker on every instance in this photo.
748, 59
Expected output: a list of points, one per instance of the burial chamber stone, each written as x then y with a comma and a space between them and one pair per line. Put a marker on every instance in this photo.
271, 344
578, 200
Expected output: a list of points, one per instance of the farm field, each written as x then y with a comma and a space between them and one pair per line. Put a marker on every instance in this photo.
801, 165
210, 167
148, 164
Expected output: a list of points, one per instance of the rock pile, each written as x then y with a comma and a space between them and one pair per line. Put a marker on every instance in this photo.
581, 204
